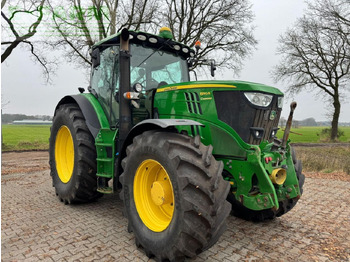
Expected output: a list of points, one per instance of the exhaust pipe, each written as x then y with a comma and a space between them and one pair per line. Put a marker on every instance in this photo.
124, 83
293, 105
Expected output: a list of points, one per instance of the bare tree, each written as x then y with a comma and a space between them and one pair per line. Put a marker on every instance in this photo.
222, 25
35, 10
82, 24
4, 103
335, 13
74, 26
316, 54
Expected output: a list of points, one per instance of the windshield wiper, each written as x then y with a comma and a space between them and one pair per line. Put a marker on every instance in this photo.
166, 41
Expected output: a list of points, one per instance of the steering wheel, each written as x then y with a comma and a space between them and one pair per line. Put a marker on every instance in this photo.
162, 83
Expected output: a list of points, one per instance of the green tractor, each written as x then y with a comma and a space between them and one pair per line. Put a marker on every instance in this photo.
182, 154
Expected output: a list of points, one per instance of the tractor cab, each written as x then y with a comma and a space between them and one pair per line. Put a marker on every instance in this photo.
153, 61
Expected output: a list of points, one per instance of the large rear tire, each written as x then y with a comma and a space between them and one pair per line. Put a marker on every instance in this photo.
72, 156
285, 206
174, 195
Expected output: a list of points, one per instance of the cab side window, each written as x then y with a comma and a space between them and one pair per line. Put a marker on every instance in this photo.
105, 81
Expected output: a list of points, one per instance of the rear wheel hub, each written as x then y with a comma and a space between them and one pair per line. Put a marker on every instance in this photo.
64, 154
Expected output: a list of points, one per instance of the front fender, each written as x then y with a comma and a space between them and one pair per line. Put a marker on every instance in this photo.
165, 123
152, 124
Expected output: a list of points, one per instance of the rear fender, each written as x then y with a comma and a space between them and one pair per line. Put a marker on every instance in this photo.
91, 109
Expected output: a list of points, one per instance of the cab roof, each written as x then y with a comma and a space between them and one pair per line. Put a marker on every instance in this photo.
148, 40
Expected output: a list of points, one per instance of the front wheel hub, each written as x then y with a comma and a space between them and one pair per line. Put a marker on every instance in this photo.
153, 195
161, 193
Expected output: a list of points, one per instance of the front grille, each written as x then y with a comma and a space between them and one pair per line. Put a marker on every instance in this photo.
262, 120
193, 103
234, 109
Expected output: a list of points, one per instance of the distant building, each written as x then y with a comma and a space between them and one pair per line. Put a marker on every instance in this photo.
32, 122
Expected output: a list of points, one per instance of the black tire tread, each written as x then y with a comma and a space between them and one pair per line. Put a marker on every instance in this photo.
208, 210
84, 189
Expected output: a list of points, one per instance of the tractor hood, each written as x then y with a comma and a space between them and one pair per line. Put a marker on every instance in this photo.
237, 85
252, 110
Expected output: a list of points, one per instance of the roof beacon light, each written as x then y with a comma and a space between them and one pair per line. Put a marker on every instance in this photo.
165, 32
197, 45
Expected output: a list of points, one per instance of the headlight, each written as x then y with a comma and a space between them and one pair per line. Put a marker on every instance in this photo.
141, 37
257, 132
177, 47
274, 132
153, 40
280, 101
258, 99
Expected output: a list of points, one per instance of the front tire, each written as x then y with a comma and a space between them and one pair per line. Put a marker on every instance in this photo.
72, 156
174, 195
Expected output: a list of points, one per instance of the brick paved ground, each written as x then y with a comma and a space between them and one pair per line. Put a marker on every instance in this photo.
35, 225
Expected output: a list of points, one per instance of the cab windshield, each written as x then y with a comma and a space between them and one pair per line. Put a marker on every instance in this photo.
154, 68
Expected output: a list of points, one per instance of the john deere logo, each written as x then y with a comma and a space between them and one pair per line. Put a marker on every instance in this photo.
272, 115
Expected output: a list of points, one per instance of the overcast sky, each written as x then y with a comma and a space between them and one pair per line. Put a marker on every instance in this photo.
22, 81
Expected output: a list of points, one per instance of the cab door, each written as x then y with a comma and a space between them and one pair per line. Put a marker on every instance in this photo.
105, 82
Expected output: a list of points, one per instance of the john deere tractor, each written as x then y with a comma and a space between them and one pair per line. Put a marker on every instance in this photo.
176, 150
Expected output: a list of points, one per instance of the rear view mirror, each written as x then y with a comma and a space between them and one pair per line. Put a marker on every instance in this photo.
95, 57
212, 68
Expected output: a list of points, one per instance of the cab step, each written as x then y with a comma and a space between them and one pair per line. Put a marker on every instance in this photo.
105, 190
102, 185
105, 153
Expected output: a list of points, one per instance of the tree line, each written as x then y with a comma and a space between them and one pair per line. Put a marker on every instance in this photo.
9, 118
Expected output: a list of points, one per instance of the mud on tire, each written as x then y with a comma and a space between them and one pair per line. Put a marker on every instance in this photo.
200, 208
82, 183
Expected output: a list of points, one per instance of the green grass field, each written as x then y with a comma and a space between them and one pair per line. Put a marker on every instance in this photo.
312, 134
31, 137
325, 159
25, 137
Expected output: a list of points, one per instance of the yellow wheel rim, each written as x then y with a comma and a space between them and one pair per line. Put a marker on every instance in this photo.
64, 154
154, 195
